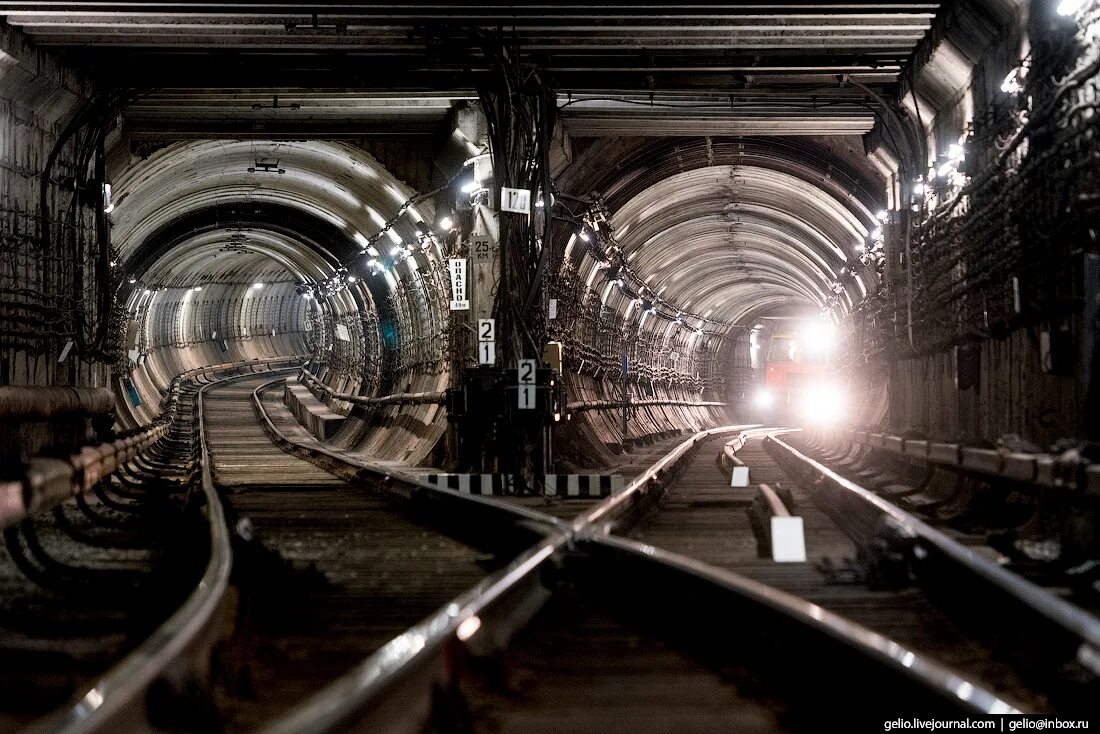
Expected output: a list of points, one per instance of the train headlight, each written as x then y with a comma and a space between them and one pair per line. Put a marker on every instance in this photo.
818, 337
763, 399
823, 404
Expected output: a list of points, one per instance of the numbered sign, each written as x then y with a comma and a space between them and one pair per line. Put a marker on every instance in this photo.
517, 201
486, 341
458, 284
483, 248
527, 373
486, 330
552, 310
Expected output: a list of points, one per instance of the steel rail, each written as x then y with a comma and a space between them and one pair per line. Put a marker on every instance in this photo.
861, 514
392, 689
179, 649
390, 476
823, 625
614, 508
48, 481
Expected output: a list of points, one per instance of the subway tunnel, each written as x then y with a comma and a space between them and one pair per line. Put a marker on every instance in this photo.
713, 367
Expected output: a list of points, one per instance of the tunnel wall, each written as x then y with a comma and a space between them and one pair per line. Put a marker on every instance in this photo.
371, 329
37, 97
178, 329
53, 328
1014, 394
1004, 265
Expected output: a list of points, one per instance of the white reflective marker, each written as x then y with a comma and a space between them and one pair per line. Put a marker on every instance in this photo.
788, 540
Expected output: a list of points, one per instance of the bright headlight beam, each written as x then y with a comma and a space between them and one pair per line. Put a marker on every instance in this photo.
763, 399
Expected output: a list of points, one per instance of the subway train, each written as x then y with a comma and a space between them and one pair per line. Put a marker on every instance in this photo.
800, 384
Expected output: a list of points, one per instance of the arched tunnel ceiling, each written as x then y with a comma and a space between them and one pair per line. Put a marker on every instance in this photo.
725, 241
733, 229
192, 196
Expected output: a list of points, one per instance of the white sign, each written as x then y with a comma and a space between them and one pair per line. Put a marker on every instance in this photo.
526, 398
66, 350
788, 540
740, 477
486, 341
486, 330
552, 310
483, 248
458, 284
517, 201
487, 353
343, 333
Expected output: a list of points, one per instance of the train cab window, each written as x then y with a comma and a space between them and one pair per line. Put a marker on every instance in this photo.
783, 349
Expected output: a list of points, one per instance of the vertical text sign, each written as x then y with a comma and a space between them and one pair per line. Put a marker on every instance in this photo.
486, 341
526, 371
458, 285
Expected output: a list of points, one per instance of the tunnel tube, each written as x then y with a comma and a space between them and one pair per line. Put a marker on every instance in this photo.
193, 215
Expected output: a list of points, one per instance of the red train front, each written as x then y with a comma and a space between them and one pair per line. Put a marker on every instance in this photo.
799, 385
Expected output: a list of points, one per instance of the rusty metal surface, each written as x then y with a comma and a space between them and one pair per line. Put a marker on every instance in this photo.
40, 402
404, 398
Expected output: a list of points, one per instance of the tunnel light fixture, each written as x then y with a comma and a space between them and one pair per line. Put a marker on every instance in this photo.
257, 286
108, 203
584, 234
196, 289
446, 223
883, 215
132, 280
352, 279
308, 295
1069, 7
147, 291
876, 233
1013, 82
470, 187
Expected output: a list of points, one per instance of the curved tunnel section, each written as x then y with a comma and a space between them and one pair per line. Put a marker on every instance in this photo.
703, 243
244, 250
241, 250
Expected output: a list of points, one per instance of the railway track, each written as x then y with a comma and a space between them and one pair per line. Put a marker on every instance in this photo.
649, 611
702, 517
325, 570
340, 572
85, 583
623, 631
